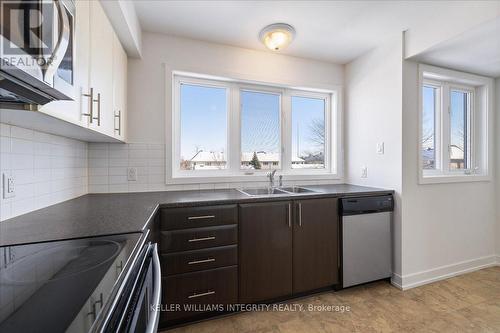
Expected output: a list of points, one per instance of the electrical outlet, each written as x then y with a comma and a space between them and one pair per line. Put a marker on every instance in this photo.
380, 148
132, 174
9, 189
364, 172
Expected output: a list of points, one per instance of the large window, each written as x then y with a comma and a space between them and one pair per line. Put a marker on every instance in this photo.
453, 126
260, 130
308, 133
460, 131
431, 102
203, 110
226, 129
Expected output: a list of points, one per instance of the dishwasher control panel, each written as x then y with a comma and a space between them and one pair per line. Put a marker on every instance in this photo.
364, 205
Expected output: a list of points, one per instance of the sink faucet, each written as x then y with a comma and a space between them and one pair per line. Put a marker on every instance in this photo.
270, 175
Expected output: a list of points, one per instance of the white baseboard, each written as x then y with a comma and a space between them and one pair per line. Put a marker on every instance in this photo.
396, 281
498, 259
420, 278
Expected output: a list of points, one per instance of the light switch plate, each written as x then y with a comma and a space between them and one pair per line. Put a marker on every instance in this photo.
380, 148
132, 174
9, 189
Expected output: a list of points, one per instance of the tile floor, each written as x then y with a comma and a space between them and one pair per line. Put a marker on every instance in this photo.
467, 303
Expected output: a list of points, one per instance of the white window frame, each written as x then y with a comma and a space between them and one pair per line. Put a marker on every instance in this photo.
233, 172
480, 90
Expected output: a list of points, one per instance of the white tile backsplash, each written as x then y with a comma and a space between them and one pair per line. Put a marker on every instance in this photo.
108, 164
48, 169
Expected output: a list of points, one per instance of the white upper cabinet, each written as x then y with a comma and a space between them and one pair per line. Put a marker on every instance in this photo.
119, 89
101, 69
100, 102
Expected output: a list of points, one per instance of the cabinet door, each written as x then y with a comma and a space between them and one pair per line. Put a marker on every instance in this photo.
265, 248
119, 88
101, 68
73, 111
315, 244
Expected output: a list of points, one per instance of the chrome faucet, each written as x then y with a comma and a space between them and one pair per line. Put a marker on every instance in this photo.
270, 175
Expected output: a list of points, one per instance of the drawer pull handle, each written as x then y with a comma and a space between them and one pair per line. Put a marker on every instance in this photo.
201, 239
201, 217
195, 295
194, 262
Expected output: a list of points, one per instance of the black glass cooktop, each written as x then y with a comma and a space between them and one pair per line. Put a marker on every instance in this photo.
60, 286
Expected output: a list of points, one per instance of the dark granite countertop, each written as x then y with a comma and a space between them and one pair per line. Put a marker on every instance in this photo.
105, 214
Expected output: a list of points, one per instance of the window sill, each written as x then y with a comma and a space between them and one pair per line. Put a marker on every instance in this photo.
452, 178
185, 180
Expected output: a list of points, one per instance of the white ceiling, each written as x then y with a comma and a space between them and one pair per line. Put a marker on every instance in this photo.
334, 31
476, 51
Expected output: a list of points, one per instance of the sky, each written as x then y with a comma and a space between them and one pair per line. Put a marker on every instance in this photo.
304, 112
204, 121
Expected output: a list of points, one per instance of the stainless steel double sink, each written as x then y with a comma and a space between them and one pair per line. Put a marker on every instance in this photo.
271, 191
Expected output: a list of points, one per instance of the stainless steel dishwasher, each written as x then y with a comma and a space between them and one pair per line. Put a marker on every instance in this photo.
366, 239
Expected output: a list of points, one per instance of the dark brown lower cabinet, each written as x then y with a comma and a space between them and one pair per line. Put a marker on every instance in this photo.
315, 244
192, 294
265, 245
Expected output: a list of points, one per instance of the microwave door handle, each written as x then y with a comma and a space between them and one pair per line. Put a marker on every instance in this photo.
156, 300
57, 56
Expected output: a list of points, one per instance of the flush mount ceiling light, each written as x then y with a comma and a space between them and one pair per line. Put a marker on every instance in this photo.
277, 36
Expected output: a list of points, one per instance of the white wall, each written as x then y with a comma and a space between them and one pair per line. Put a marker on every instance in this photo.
447, 228
149, 102
373, 114
148, 87
48, 169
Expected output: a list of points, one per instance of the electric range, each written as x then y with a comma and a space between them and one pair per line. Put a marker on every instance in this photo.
99, 284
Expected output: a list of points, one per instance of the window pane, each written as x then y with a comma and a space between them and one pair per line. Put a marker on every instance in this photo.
308, 133
458, 130
260, 130
203, 127
428, 127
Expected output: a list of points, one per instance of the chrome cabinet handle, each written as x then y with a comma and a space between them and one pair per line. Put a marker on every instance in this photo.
195, 262
289, 215
300, 214
201, 217
195, 295
119, 116
90, 95
93, 313
98, 101
201, 239
119, 267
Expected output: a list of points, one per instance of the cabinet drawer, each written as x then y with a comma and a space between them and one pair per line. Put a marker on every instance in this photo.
198, 260
198, 238
194, 217
215, 286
